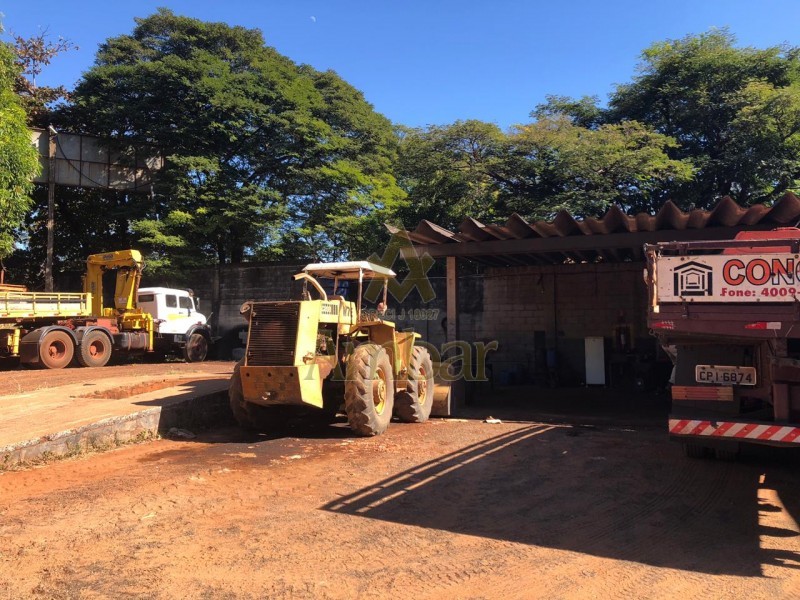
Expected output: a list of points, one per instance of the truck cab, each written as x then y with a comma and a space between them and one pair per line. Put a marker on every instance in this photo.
179, 327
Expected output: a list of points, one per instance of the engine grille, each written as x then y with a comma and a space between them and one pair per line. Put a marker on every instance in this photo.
273, 334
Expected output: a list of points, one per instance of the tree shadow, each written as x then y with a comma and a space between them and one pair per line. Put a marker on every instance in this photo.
624, 495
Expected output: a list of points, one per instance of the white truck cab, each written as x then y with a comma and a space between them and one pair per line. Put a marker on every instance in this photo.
179, 327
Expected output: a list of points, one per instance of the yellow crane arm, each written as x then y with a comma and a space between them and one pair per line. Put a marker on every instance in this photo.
129, 266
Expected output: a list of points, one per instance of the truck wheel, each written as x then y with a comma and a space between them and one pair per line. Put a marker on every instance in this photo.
414, 404
236, 399
693, 450
56, 350
728, 454
95, 349
369, 390
196, 348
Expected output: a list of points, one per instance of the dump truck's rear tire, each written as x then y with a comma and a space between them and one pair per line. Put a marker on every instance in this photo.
369, 390
728, 453
414, 404
693, 450
196, 348
95, 349
56, 350
236, 399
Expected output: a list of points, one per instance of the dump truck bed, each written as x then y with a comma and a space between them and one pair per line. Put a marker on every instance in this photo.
25, 305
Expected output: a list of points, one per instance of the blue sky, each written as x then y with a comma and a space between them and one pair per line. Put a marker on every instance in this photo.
435, 62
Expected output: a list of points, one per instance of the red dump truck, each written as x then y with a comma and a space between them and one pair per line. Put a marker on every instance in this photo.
728, 314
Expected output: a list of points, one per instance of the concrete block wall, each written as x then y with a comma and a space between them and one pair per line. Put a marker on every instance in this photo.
566, 303
427, 318
223, 289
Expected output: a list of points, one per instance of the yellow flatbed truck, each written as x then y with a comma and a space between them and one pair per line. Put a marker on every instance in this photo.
49, 329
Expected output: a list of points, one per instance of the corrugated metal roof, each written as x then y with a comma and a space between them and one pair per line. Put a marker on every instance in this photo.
614, 237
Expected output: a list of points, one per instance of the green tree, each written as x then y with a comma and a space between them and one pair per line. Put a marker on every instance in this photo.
248, 136
554, 164
584, 112
472, 169
733, 111
347, 189
18, 159
448, 171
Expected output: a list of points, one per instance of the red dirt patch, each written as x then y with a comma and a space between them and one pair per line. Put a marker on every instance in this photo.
20, 381
126, 391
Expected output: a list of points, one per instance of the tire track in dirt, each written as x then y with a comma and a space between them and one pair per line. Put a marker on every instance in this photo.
683, 483
434, 582
244, 520
652, 551
708, 485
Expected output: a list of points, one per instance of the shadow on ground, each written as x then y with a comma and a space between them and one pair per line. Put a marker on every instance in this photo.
620, 494
571, 404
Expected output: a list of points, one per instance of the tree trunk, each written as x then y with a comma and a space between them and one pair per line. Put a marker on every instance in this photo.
237, 254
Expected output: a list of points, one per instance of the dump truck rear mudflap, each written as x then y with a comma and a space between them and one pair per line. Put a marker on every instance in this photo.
771, 434
281, 386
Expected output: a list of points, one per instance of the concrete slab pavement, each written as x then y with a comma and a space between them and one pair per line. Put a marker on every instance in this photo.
101, 414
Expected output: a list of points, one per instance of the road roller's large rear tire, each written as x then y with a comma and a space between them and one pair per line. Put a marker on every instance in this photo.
236, 399
369, 390
414, 404
247, 415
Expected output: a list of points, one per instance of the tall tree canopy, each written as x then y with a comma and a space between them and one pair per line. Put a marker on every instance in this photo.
267, 158
18, 160
447, 172
734, 112
258, 148
701, 119
472, 169
554, 164
346, 188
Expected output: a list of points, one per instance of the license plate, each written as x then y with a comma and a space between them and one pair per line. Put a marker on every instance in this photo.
724, 375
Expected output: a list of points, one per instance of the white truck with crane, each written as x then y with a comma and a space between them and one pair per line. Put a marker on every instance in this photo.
50, 329
728, 313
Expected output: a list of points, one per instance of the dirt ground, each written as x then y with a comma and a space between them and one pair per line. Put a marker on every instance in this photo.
15, 380
445, 509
